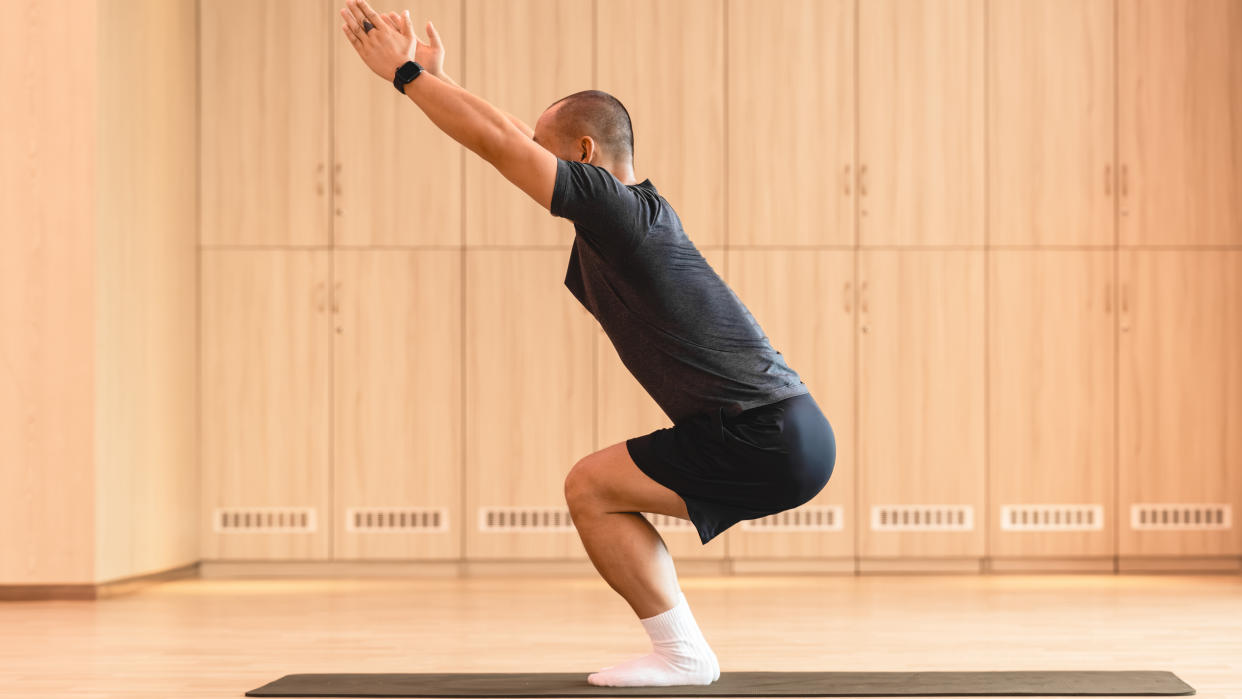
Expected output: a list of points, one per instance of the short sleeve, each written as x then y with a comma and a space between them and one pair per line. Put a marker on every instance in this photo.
604, 211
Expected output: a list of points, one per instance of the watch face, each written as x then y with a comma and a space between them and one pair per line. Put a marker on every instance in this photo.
408, 71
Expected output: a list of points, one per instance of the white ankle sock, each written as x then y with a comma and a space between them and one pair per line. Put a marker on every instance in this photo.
680, 654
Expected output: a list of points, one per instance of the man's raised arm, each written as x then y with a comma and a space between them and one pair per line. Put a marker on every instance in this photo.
465, 117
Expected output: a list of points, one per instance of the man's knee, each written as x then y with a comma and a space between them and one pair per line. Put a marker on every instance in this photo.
580, 484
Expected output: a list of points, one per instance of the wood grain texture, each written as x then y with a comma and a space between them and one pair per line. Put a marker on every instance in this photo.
530, 395
48, 177
1180, 398
1051, 377
397, 397
521, 56
397, 177
216, 639
665, 62
266, 372
791, 124
805, 302
146, 289
921, 380
920, 111
1179, 106
1050, 125
266, 121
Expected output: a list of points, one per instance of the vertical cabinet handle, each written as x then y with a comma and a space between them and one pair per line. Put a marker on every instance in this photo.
862, 305
1125, 188
336, 187
1108, 180
1125, 307
336, 305
319, 179
847, 179
845, 296
862, 180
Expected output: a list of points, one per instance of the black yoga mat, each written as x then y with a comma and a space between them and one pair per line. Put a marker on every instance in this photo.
734, 684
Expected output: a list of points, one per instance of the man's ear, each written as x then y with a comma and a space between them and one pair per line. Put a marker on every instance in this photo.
586, 149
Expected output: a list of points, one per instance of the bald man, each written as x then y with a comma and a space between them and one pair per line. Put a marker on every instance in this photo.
747, 439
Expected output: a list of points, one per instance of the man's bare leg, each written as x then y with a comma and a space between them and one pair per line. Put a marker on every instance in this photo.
606, 492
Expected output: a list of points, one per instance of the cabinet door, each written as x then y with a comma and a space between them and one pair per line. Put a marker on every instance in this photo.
804, 300
266, 339
1180, 399
665, 62
521, 55
1050, 122
791, 123
397, 176
397, 435
624, 409
530, 397
266, 108
1180, 106
1051, 366
920, 114
920, 403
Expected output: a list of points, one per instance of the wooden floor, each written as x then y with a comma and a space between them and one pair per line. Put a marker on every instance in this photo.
221, 638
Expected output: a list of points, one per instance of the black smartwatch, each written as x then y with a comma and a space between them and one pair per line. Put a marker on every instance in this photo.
406, 74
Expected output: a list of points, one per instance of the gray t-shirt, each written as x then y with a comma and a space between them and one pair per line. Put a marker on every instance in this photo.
679, 329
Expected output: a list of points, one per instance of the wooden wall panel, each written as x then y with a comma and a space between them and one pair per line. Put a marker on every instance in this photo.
398, 178
266, 140
921, 136
266, 333
1050, 82
804, 300
1180, 397
397, 387
791, 122
665, 62
1051, 378
1180, 104
146, 289
48, 177
530, 395
920, 395
521, 55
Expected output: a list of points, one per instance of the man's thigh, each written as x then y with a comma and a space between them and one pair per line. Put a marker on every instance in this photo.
610, 481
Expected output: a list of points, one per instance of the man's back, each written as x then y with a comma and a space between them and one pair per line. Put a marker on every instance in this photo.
676, 325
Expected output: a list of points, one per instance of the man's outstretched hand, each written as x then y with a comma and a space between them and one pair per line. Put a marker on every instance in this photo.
384, 48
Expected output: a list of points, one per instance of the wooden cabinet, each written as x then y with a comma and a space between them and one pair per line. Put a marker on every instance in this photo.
1051, 380
920, 123
1180, 400
530, 399
920, 402
665, 62
397, 404
1179, 106
791, 170
521, 56
804, 301
266, 411
266, 114
397, 177
1050, 82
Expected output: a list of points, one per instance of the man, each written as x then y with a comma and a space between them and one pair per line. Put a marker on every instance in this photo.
747, 438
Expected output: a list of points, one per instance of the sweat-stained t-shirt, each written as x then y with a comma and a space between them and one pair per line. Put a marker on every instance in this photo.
679, 329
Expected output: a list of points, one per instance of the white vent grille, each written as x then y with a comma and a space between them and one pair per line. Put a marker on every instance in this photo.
817, 518
396, 519
1044, 518
507, 519
666, 522
922, 518
1147, 516
264, 520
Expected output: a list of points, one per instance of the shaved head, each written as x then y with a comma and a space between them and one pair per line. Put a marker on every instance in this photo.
599, 115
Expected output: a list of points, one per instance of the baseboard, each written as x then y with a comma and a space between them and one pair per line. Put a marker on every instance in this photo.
1095, 564
920, 565
1179, 564
95, 591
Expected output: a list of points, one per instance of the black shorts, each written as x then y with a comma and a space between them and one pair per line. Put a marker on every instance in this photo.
728, 468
